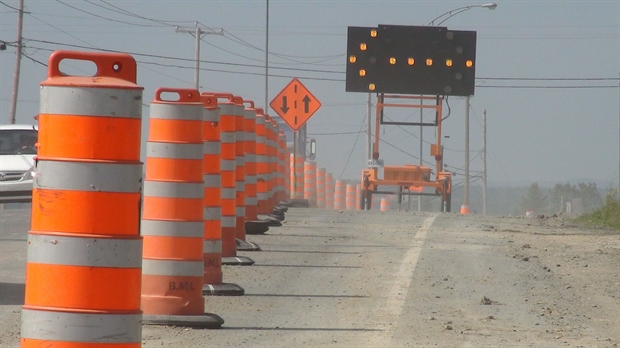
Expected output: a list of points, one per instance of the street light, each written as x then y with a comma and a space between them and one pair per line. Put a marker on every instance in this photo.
454, 12
448, 15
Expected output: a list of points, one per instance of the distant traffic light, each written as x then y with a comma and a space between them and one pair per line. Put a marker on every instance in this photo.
411, 60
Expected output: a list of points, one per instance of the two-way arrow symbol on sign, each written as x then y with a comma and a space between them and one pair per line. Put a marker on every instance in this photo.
295, 104
284, 107
306, 101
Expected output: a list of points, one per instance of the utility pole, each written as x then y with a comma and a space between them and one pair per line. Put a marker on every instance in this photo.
466, 184
197, 33
421, 145
368, 128
267, 59
18, 61
484, 163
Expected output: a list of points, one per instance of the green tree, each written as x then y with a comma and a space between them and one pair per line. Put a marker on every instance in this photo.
534, 200
589, 194
560, 194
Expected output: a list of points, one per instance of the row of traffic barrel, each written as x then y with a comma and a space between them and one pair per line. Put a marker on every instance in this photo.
116, 243
320, 189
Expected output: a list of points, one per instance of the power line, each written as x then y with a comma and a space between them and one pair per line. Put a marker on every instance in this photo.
11, 7
549, 87
338, 133
353, 148
551, 78
190, 60
106, 18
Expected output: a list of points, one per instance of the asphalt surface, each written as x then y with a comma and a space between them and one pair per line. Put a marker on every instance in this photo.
397, 279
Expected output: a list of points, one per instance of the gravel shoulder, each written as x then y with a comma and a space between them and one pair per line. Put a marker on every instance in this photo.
398, 279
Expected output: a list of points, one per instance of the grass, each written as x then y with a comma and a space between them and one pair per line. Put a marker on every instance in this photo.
608, 215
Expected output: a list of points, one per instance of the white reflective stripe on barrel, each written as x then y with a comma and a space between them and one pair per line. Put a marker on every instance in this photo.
88, 176
212, 213
175, 151
227, 109
229, 221
184, 112
228, 165
212, 115
250, 179
212, 246
228, 193
173, 189
82, 251
172, 268
163, 228
212, 147
81, 327
228, 137
127, 103
212, 180
250, 201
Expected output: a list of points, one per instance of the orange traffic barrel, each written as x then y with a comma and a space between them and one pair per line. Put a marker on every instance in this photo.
273, 132
249, 126
271, 161
84, 239
320, 188
310, 183
251, 223
297, 177
350, 197
172, 214
286, 175
228, 170
299, 173
464, 209
281, 194
262, 168
358, 196
340, 194
212, 244
241, 244
385, 204
329, 191
291, 170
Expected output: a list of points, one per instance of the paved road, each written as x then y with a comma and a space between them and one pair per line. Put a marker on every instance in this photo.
367, 279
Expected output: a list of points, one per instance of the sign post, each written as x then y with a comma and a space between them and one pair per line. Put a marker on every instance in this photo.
295, 105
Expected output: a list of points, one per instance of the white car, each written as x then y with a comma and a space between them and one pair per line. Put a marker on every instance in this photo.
17, 152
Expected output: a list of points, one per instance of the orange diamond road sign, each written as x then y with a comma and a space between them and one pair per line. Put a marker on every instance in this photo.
295, 104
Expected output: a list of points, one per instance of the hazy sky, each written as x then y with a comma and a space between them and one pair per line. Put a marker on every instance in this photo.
535, 132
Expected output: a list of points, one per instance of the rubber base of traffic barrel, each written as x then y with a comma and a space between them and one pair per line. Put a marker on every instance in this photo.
256, 227
243, 245
237, 261
299, 203
224, 289
281, 207
206, 321
278, 215
270, 220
